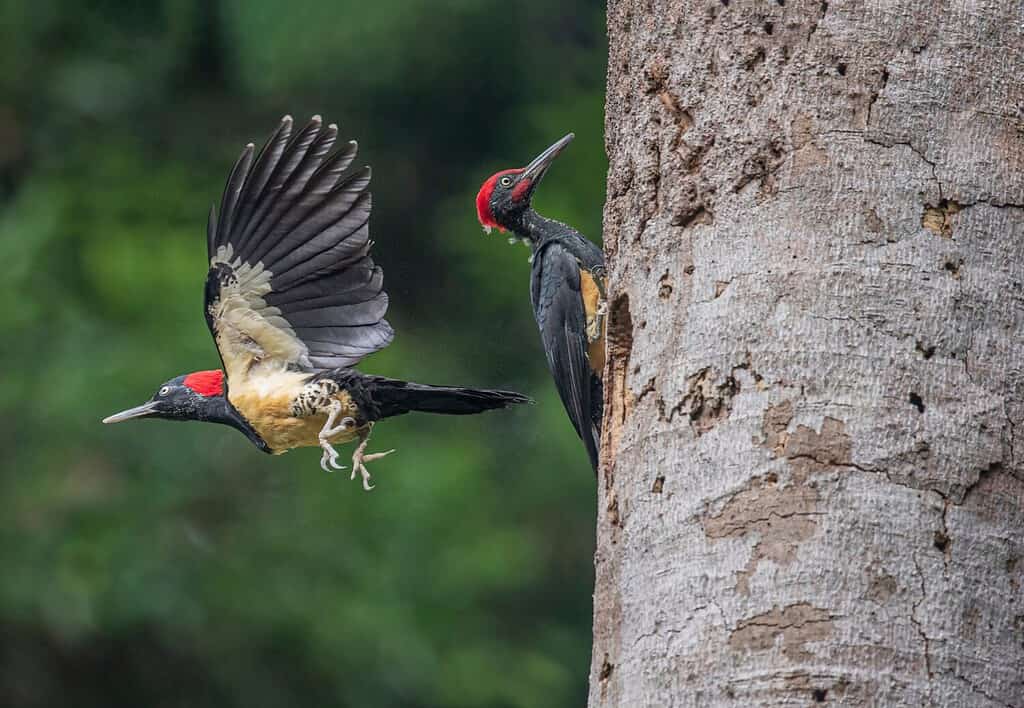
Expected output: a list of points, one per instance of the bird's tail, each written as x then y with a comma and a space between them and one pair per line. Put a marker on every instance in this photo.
394, 397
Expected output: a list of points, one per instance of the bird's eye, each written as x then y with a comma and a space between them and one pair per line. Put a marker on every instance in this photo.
505, 181
165, 390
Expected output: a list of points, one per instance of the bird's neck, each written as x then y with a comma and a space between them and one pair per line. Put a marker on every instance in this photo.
537, 229
217, 409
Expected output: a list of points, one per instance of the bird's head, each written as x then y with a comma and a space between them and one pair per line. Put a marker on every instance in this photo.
505, 196
195, 396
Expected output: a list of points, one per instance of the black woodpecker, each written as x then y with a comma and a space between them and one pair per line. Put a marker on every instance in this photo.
293, 301
567, 290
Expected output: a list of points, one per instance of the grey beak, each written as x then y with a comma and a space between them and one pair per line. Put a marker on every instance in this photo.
535, 170
148, 408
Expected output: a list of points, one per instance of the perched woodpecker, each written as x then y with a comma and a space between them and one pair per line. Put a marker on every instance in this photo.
566, 289
293, 301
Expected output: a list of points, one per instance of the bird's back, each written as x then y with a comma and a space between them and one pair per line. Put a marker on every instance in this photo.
567, 292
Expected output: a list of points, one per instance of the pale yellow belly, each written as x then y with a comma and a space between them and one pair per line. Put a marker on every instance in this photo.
269, 412
283, 433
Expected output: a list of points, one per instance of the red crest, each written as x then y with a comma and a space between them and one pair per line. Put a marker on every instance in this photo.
483, 200
206, 383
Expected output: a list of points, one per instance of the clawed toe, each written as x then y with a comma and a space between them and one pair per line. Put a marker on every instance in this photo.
376, 456
358, 464
359, 457
361, 469
366, 479
330, 457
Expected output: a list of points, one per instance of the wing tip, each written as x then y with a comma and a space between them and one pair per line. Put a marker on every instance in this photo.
522, 398
243, 163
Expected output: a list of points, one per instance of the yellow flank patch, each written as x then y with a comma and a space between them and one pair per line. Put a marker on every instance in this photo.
266, 402
591, 294
592, 305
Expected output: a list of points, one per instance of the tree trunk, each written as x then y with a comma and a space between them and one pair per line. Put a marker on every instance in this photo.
811, 490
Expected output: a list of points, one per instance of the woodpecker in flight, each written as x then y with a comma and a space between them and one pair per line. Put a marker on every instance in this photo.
566, 289
293, 301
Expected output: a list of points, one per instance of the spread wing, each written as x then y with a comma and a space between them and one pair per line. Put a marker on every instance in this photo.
558, 307
291, 282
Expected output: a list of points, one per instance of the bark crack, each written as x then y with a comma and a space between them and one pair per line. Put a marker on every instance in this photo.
741, 526
980, 691
881, 141
618, 401
970, 338
814, 28
920, 628
652, 200
993, 468
649, 387
943, 542
721, 613
645, 635
830, 463
722, 285
841, 318
910, 146
1013, 438
883, 82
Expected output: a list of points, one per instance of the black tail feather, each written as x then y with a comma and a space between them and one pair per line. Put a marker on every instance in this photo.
393, 397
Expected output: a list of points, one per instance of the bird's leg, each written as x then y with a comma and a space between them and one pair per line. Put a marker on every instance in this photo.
359, 457
331, 455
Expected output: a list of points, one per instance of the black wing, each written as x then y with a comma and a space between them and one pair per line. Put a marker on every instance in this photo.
558, 307
291, 282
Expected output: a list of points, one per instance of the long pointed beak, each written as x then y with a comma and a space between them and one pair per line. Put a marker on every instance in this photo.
536, 170
148, 408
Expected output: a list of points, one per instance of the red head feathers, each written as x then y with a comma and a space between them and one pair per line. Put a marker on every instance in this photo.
483, 200
206, 383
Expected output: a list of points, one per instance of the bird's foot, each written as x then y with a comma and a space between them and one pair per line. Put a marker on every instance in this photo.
358, 460
330, 456
595, 327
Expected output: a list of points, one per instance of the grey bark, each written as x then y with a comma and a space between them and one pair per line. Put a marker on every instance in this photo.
811, 486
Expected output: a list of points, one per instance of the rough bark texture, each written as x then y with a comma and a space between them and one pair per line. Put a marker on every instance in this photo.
812, 488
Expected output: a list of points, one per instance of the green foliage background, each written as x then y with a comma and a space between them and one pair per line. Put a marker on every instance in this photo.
157, 564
